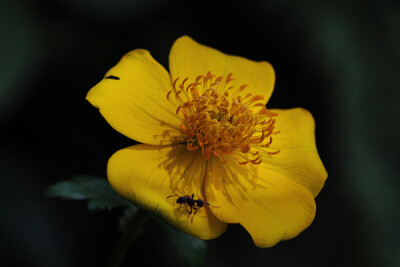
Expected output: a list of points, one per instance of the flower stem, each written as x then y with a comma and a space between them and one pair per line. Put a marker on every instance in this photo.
132, 232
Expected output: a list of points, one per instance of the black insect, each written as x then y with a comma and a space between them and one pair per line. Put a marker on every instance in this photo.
194, 204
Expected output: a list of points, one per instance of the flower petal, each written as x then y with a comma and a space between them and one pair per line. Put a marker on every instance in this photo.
270, 206
132, 98
191, 59
147, 175
298, 158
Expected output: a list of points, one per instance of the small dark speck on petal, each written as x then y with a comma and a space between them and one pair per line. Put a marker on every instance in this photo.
112, 77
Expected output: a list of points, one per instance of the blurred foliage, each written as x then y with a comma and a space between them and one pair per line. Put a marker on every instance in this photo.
20, 50
358, 44
100, 196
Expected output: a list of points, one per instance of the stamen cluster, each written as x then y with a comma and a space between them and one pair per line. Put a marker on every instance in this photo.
220, 121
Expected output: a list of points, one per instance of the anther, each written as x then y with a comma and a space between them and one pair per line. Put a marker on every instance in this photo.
168, 94
183, 127
223, 124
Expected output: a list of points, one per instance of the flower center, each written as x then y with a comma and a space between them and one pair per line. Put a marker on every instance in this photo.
220, 121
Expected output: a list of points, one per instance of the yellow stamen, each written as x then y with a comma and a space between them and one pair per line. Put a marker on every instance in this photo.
223, 123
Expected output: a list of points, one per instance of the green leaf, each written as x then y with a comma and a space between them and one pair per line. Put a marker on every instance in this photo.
97, 190
189, 249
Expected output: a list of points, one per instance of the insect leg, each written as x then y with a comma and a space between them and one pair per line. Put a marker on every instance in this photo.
191, 209
195, 211
212, 205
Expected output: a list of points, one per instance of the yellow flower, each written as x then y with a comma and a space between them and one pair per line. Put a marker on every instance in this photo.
205, 131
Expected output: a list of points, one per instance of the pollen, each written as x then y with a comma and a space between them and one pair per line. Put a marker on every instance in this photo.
222, 120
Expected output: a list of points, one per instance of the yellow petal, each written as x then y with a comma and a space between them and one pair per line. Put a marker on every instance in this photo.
270, 206
147, 175
132, 98
298, 158
190, 59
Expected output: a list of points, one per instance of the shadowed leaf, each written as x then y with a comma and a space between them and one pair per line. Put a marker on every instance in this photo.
97, 190
189, 249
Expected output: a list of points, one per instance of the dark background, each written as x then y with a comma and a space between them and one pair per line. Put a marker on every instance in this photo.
338, 59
